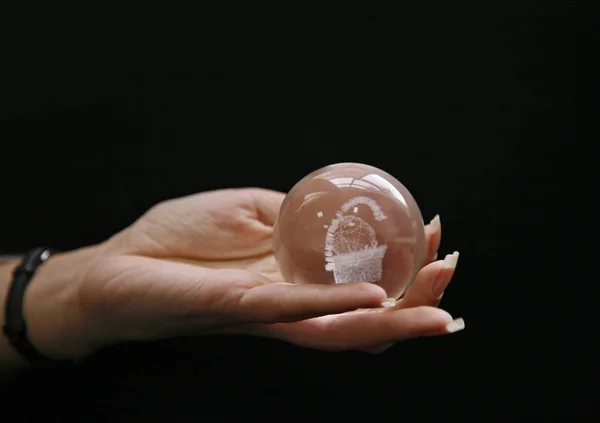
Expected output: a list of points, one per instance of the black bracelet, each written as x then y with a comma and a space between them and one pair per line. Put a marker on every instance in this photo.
15, 326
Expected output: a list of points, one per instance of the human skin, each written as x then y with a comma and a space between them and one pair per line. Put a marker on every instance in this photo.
204, 264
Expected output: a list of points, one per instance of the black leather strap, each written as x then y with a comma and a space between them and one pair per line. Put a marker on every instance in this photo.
15, 326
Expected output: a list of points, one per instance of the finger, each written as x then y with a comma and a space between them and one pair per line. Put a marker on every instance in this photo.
427, 290
433, 238
362, 330
281, 302
267, 203
430, 283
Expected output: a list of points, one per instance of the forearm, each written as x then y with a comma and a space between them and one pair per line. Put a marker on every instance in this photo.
10, 361
51, 309
4, 259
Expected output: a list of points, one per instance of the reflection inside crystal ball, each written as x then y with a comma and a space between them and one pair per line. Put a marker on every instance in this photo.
350, 222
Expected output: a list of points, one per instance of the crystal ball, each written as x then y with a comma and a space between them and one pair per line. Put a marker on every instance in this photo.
350, 222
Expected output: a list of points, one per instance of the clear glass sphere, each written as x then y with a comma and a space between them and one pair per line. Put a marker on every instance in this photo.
350, 222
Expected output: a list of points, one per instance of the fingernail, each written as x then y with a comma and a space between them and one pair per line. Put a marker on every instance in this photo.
451, 260
443, 280
455, 326
388, 302
435, 223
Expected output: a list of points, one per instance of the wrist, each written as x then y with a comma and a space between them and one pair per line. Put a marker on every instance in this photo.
55, 322
51, 309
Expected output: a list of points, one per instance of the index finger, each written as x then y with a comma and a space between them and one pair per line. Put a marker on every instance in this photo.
267, 203
433, 238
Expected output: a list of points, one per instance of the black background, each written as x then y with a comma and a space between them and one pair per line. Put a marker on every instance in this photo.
106, 111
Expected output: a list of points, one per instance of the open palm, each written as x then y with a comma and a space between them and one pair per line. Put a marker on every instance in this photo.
205, 264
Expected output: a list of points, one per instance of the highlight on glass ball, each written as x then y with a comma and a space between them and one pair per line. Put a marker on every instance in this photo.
350, 222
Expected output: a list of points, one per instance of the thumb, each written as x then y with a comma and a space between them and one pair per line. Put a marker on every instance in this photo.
283, 302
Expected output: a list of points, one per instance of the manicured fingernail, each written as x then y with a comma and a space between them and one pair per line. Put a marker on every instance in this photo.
435, 223
455, 326
451, 260
388, 302
443, 278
